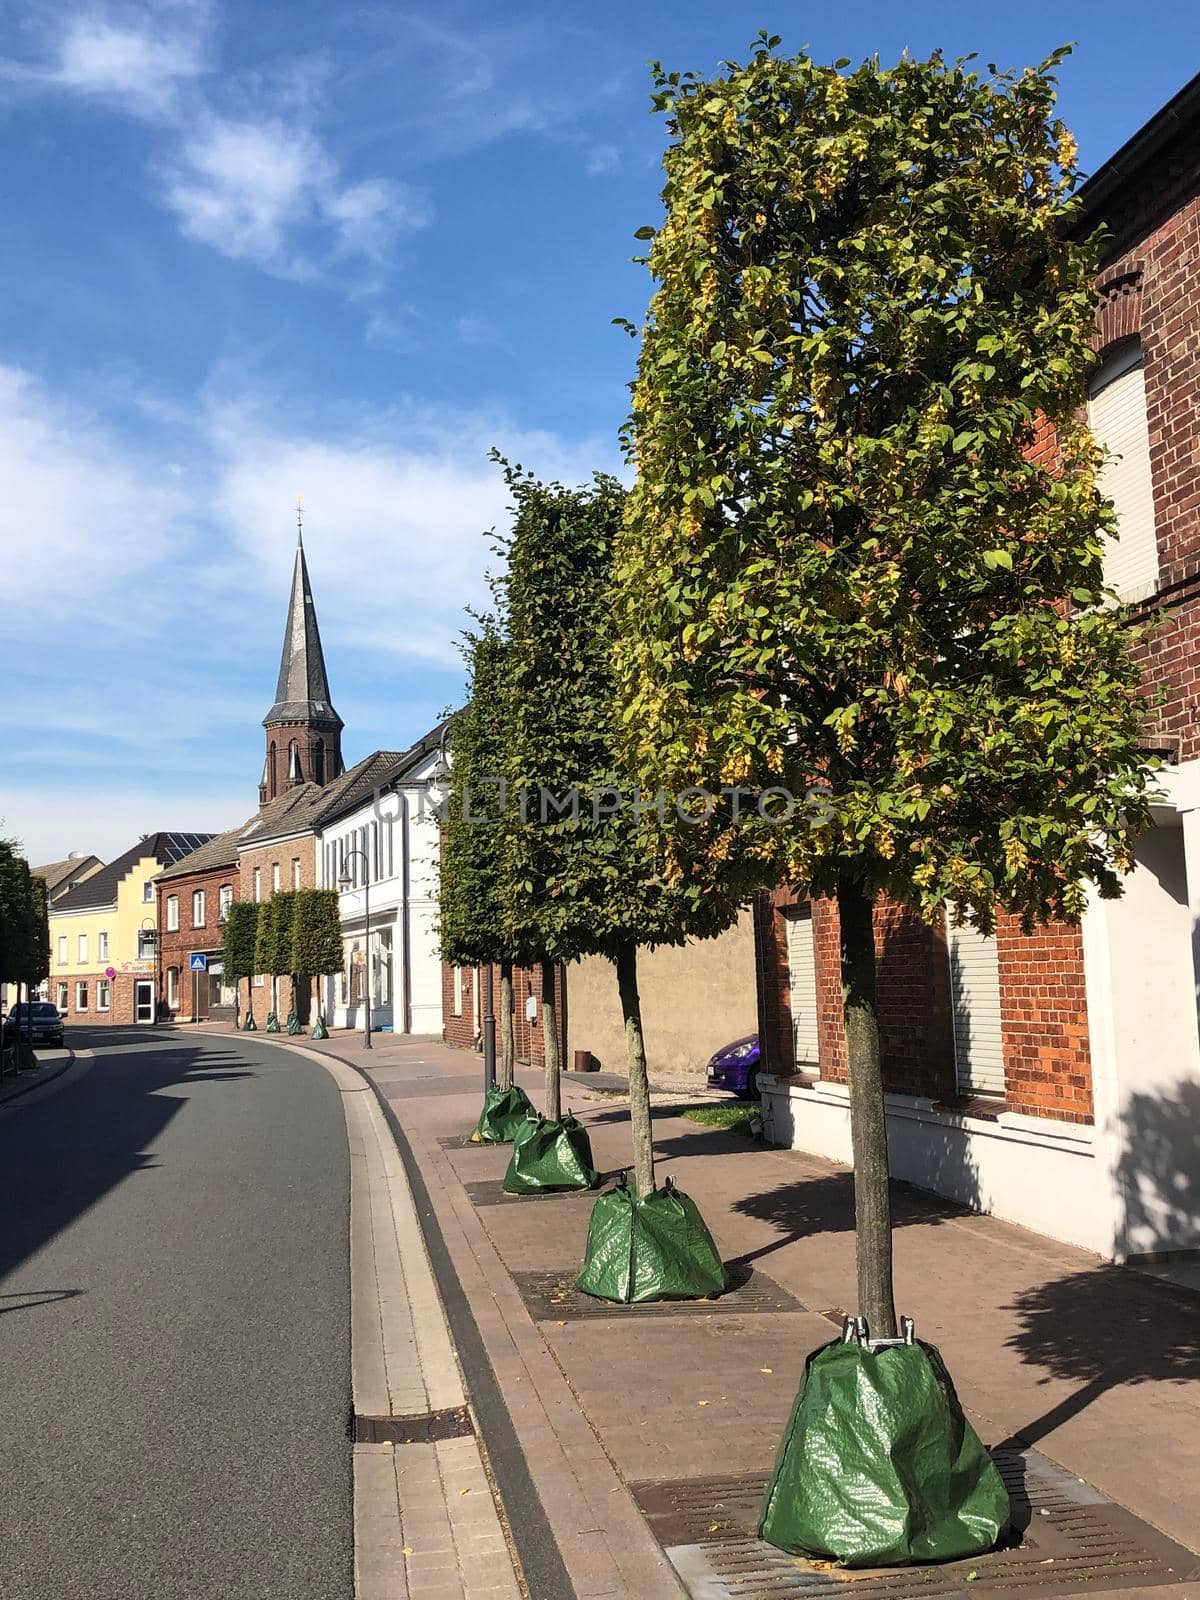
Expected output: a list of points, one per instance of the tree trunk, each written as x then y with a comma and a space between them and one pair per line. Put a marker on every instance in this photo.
868, 1120
550, 1044
507, 1054
639, 1087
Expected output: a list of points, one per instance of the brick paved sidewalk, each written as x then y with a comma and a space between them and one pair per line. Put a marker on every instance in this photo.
1096, 1367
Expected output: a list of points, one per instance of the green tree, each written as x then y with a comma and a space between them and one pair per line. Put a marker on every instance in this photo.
282, 949
843, 567
266, 944
12, 914
580, 879
316, 934
472, 916
238, 940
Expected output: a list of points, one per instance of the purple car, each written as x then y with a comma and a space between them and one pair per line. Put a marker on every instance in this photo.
735, 1066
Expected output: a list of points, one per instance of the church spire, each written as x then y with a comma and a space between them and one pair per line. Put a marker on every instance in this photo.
303, 729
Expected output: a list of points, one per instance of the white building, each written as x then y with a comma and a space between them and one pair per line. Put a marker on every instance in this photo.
385, 846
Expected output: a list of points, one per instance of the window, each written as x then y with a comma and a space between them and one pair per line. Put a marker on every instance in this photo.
1117, 416
148, 893
61, 999
274, 877
458, 991
802, 988
224, 901
295, 872
62, 949
975, 997
81, 951
198, 908
258, 883
172, 987
172, 913
145, 944
102, 1002
258, 980
81, 997
102, 946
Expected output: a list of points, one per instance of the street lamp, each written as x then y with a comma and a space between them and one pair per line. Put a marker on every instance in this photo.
344, 884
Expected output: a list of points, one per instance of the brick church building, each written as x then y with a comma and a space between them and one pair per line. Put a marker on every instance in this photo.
1055, 1079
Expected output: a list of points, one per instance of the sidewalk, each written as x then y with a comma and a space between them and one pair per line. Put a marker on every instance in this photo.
649, 1431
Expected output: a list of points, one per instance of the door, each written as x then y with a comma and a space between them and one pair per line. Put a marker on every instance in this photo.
143, 1001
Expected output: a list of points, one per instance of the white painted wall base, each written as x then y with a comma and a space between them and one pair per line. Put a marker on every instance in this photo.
1030, 1170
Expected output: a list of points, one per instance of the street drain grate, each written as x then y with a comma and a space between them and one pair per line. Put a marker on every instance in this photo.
1067, 1537
427, 1428
461, 1141
490, 1192
553, 1297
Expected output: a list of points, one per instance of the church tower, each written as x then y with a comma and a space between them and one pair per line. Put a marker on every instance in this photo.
304, 732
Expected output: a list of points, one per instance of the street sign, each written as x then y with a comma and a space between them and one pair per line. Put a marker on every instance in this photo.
198, 961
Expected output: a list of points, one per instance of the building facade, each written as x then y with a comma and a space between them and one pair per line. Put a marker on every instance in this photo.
193, 898
1055, 1079
103, 936
382, 842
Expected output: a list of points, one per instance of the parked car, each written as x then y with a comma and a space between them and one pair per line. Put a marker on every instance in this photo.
735, 1066
38, 1017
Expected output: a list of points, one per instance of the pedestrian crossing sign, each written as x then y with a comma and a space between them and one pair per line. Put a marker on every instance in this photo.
198, 961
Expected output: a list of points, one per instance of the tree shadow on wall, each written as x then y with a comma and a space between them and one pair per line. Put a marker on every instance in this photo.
1109, 1326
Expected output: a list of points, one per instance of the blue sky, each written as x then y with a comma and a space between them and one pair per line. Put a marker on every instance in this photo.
259, 250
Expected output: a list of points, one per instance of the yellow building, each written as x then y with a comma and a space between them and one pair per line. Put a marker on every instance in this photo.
102, 935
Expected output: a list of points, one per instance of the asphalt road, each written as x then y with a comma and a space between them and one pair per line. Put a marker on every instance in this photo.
174, 1328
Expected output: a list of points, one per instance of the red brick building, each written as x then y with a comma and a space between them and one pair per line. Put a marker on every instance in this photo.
194, 896
1055, 1079
464, 1004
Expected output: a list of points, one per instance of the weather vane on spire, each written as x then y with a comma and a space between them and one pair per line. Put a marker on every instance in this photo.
299, 519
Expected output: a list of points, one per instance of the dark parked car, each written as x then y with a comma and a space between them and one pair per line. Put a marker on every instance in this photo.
735, 1066
39, 1018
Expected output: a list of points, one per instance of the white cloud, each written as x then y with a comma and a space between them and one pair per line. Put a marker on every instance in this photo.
395, 511
142, 66
88, 515
50, 822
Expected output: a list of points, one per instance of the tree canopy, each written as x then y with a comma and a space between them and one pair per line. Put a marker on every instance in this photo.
844, 565
238, 940
316, 933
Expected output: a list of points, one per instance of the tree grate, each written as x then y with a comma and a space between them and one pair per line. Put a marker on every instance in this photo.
1066, 1536
427, 1428
553, 1297
490, 1192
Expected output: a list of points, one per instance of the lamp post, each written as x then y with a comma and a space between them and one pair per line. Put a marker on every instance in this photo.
344, 884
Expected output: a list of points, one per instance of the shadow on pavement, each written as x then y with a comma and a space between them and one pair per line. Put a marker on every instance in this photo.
61, 1155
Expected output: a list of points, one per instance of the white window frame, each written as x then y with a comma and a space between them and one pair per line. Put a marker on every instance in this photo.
63, 990
102, 945
199, 908
224, 901
172, 913
103, 995
295, 872
172, 987
258, 883
259, 980
62, 950
81, 948
81, 995
147, 892
274, 877
458, 991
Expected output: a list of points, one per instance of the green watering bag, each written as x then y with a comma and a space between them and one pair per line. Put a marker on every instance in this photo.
653, 1248
550, 1155
504, 1111
878, 1466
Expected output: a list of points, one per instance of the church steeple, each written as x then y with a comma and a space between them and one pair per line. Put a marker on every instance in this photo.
304, 732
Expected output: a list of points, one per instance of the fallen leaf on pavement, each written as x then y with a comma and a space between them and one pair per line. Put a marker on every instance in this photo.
766, 1369
701, 1402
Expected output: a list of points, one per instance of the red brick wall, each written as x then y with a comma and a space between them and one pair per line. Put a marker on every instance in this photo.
318, 747
175, 948
527, 1039
121, 997
912, 985
1044, 1021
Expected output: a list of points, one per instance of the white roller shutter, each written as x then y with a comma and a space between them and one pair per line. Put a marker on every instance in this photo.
975, 995
1117, 414
802, 982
